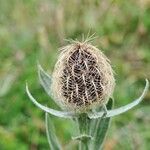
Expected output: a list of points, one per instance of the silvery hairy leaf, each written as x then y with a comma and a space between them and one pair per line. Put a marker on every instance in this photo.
117, 111
49, 110
45, 79
51, 136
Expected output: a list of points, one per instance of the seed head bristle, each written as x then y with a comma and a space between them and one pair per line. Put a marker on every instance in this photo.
85, 39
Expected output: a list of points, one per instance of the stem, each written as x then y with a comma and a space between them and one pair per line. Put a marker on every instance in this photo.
84, 129
83, 145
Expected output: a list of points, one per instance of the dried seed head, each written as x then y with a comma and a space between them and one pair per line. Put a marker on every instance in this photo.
82, 77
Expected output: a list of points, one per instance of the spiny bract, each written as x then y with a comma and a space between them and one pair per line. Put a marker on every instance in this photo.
82, 78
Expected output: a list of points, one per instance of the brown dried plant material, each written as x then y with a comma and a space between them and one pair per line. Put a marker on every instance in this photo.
82, 78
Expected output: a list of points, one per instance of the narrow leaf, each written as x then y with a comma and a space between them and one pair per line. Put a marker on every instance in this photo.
45, 79
51, 136
101, 129
122, 109
49, 110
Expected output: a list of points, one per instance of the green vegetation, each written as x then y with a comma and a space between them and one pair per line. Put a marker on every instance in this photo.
33, 30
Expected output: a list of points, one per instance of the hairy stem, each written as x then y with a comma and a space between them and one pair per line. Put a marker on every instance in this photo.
83, 146
84, 129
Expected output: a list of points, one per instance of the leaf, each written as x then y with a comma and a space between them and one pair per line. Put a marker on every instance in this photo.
45, 79
49, 110
101, 129
51, 136
122, 109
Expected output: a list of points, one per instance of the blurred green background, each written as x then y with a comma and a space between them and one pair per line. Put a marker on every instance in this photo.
32, 30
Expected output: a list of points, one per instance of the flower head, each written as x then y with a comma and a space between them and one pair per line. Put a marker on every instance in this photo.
82, 78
